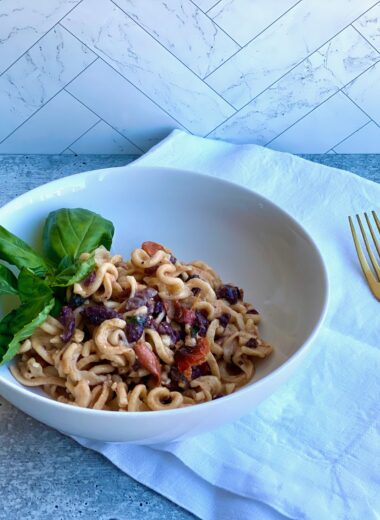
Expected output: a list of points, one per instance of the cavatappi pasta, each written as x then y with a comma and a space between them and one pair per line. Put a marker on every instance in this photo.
150, 333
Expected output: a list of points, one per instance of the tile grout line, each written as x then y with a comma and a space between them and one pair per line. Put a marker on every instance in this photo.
219, 27
39, 39
104, 121
288, 72
48, 101
354, 102
252, 39
303, 117
348, 136
63, 153
327, 99
84, 133
212, 7
366, 39
130, 82
180, 61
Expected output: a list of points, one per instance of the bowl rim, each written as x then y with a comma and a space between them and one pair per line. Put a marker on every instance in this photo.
135, 168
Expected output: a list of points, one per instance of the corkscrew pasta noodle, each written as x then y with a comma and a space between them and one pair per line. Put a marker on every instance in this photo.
150, 333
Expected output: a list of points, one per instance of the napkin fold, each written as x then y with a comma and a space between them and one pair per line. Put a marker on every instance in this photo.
309, 451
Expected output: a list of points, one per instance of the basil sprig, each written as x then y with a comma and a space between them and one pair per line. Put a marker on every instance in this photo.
67, 234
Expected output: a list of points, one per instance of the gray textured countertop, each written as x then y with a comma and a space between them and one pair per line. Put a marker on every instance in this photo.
43, 474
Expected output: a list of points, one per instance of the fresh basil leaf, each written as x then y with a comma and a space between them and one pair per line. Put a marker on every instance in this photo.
8, 281
70, 232
56, 310
73, 273
19, 325
137, 320
5, 334
66, 261
36, 303
17, 252
194, 331
32, 288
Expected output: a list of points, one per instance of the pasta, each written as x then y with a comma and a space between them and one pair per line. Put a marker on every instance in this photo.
146, 334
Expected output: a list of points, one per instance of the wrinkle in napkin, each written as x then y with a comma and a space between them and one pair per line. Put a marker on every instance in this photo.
310, 451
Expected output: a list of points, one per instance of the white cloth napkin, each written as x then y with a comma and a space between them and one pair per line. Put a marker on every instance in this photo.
310, 450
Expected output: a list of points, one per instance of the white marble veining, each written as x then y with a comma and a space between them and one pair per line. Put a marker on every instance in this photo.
301, 90
205, 5
203, 46
58, 124
282, 46
142, 60
365, 91
245, 19
121, 105
365, 140
299, 75
102, 138
338, 116
22, 23
369, 26
36, 77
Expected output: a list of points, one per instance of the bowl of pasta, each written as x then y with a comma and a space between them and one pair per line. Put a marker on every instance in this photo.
147, 305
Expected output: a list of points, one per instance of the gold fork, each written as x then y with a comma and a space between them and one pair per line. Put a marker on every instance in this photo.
373, 282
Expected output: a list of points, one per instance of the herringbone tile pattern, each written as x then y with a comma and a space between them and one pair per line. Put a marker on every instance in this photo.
115, 76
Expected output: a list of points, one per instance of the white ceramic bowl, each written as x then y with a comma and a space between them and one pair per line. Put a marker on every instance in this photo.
246, 238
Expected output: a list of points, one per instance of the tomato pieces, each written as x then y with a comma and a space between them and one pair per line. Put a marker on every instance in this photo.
152, 247
186, 316
170, 307
187, 357
175, 311
148, 359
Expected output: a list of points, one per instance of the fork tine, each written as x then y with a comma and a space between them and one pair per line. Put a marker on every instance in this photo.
368, 247
376, 220
374, 238
363, 262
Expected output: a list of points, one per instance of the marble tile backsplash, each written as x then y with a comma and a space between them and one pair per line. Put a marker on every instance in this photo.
116, 76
